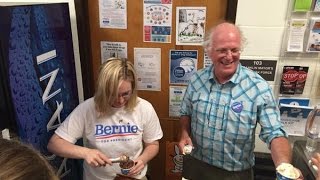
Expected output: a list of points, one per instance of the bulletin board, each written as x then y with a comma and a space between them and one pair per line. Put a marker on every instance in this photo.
215, 12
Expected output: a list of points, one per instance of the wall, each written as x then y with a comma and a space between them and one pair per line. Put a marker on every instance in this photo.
264, 35
216, 11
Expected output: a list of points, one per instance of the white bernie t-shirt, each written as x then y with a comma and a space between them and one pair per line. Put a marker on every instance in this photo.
121, 133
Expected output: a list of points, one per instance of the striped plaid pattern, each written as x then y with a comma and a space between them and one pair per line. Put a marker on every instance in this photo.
224, 117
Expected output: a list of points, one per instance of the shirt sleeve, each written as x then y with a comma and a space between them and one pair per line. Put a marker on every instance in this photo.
152, 129
269, 118
72, 128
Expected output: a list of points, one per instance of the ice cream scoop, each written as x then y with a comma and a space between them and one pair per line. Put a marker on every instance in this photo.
122, 158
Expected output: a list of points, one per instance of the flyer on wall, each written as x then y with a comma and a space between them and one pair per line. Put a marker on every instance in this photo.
113, 49
175, 99
190, 25
147, 63
157, 21
113, 14
183, 64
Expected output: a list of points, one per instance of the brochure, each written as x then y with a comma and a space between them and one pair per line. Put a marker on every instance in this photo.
296, 35
314, 36
294, 118
289, 79
316, 7
302, 5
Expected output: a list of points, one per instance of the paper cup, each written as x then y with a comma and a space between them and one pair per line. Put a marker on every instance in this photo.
126, 167
281, 177
286, 171
125, 171
187, 149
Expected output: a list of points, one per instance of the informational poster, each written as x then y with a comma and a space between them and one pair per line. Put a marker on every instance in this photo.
314, 36
294, 118
183, 64
265, 68
113, 14
190, 25
175, 99
296, 35
157, 21
113, 49
147, 63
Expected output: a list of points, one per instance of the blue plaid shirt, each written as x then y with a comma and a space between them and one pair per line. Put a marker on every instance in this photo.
224, 117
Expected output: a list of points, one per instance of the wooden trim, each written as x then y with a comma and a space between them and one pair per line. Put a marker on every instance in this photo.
81, 7
231, 12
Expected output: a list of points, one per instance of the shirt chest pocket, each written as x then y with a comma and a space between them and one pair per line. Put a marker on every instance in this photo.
201, 105
242, 119
205, 110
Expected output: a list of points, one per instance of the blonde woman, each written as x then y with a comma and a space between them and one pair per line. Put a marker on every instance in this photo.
114, 122
22, 162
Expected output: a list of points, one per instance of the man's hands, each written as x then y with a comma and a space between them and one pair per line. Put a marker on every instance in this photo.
184, 140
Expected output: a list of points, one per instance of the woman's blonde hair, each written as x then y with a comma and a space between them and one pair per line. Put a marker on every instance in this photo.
111, 73
20, 161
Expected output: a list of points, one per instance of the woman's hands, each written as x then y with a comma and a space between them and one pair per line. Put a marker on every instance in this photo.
96, 158
137, 168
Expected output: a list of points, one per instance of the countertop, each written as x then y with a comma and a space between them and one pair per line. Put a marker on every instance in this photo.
301, 157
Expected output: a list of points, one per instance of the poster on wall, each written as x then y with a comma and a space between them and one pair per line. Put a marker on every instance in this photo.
176, 94
37, 49
113, 14
157, 21
113, 49
190, 25
183, 64
147, 63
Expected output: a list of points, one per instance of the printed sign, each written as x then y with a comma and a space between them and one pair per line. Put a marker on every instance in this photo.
183, 64
265, 68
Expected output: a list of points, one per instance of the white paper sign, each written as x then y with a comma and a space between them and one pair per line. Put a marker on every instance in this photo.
113, 14
175, 99
147, 63
296, 35
113, 49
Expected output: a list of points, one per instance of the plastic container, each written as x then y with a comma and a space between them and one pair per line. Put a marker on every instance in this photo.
312, 130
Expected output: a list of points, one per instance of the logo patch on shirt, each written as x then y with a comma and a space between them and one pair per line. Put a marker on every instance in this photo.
237, 107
